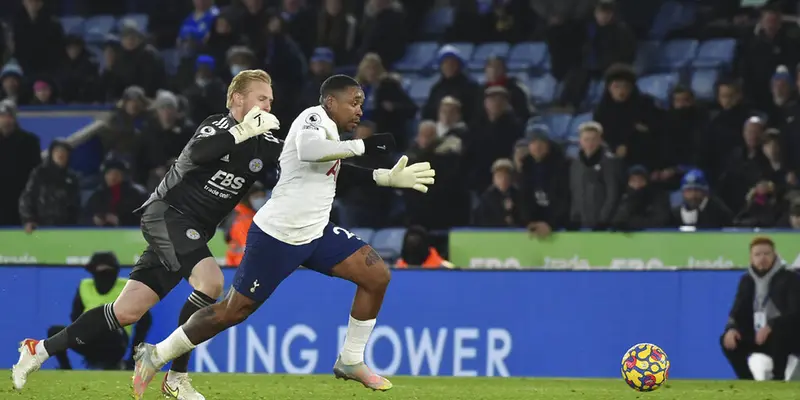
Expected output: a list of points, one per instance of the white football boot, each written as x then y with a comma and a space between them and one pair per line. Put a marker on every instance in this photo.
179, 386
30, 360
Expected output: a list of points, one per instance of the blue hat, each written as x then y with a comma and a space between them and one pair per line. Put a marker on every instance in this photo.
638, 169
205, 59
782, 73
324, 54
537, 132
694, 179
11, 68
449, 51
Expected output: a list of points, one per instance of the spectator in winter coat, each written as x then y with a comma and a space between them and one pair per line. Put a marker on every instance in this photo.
52, 196
79, 74
38, 39
113, 202
453, 82
700, 208
496, 74
642, 206
320, 67
763, 207
543, 182
384, 32
139, 63
784, 98
724, 130
20, 153
502, 204
12, 81
747, 164
336, 29
681, 143
163, 136
595, 180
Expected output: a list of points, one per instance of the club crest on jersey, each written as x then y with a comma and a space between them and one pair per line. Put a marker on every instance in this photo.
192, 234
313, 119
256, 165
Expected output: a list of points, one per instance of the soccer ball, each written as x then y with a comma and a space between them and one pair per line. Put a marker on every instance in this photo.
645, 367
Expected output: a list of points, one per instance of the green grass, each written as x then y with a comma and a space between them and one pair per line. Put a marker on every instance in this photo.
56, 385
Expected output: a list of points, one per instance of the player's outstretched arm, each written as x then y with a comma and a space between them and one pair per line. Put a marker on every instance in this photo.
212, 140
314, 146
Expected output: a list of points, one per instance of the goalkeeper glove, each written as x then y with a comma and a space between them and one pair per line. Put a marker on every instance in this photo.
379, 143
256, 122
416, 176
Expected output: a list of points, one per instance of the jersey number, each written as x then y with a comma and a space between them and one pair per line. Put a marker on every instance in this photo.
334, 170
337, 230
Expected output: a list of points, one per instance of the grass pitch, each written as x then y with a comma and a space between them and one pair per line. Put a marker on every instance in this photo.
59, 385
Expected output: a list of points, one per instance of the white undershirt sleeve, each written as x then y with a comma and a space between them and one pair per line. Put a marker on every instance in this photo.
313, 146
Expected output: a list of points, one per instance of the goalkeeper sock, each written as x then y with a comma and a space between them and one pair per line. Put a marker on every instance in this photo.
356, 340
196, 301
88, 326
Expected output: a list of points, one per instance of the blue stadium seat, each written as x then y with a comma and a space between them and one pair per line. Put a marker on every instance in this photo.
141, 21
73, 25
542, 89
171, 60
418, 57
438, 20
658, 85
595, 92
704, 83
364, 234
421, 88
389, 242
527, 55
558, 124
715, 53
572, 151
97, 27
572, 131
672, 16
675, 198
486, 50
676, 54
96, 53
478, 76
647, 54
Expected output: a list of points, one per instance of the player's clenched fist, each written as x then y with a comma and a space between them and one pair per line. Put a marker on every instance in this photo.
415, 176
256, 122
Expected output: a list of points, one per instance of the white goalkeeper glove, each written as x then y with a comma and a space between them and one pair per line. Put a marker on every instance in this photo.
256, 122
416, 176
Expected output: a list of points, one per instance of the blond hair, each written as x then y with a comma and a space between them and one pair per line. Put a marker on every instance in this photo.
590, 126
370, 58
242, 80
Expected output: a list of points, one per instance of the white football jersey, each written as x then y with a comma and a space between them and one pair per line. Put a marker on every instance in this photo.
301, 202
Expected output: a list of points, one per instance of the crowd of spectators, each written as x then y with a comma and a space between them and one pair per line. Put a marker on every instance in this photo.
733, 162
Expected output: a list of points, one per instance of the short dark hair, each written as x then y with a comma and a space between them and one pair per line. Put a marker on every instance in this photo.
682, 89
336, 84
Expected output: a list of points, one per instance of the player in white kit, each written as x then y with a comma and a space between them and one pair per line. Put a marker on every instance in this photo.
294, 229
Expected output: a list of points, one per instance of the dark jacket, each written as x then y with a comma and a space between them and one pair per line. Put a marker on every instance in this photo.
20, 153
714, 215
498, 209
51, 197
646, 208
545, 188
784, 291
389, 89
461, 87
620, 120
122, 204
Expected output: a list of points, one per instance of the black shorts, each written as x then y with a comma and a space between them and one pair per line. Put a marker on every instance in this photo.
175, 244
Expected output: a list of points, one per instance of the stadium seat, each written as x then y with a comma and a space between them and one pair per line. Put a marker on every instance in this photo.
595, 92
388, 242
572, 131
421, 88
96, 53
672, 16
647, 54
558, 123
418, 57
658, 85
675, 55
97, 27
438, 20
704, 83
715, 53
527, 55
171, 60
478, 76
485, 51
675, 199
572, 151
542, 89
141, 21
364, 234
73, 25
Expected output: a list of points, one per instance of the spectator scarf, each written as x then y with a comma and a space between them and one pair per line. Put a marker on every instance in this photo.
761, 300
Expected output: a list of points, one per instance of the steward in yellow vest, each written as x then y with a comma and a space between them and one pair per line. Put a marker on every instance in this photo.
105, 285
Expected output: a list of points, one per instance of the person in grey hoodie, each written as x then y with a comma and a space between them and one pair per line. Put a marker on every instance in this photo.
764, 321
595, 180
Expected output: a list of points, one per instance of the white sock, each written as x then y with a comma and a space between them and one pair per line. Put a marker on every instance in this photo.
356, 340
41, 352
175, 345
173, 376
760, 366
